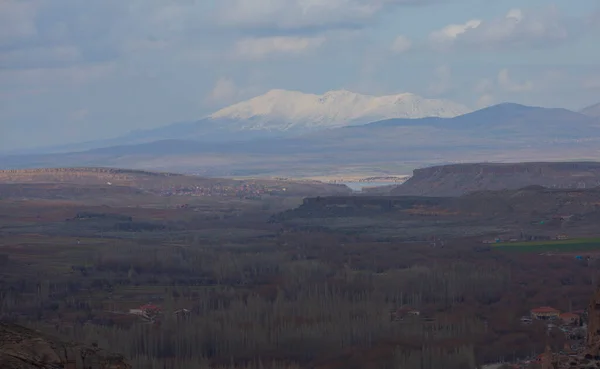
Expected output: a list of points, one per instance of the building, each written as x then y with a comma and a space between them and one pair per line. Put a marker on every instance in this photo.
526, 320
404, 312
182, 313
544, 313
148, 311
570, 318
562, 217
136, 312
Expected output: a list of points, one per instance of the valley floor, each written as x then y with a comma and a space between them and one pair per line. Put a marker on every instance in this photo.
183, 281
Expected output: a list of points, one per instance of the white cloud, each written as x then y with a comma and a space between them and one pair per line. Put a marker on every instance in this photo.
518, 29
505, 82
483, 85
488, 89
485, 100
227, 91
295, 14
451, 32
442, 82
259, 48
308, 15
401, 44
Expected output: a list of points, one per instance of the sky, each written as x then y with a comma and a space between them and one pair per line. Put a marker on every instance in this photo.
73, 70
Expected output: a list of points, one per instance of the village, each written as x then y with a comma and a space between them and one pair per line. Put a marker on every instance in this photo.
250, 191
573, 324
577, 348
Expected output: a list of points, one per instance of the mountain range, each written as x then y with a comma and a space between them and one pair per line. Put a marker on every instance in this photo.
281, 113
294, 134
592, 111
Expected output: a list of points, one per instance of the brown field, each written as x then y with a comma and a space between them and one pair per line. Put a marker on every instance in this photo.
274, 294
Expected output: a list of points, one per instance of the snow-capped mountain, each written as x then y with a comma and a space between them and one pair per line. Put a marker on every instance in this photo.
283, 110
281, 113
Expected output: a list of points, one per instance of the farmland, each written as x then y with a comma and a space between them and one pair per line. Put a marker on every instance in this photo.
266, 288
558, 246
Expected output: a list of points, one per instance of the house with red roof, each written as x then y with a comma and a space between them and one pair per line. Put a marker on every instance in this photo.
570, 318
544, 313
150, 308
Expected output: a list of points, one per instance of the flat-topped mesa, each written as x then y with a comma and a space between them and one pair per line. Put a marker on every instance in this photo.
510, 168
87, 170
459, 179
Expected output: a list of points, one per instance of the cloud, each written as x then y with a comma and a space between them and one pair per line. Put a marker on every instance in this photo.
443, 80
227, 91
401, 44
450, 33
505, 82
518, 29
259, 48
488, 88
304, 15
485, 100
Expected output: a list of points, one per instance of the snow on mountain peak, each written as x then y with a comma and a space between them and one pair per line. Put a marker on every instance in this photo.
284, 110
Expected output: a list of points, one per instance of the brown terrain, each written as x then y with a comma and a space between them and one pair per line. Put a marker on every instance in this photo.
459, 179
23, 348
163, 182
246, 275
531, 211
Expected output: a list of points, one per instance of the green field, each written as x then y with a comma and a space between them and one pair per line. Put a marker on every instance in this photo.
573, 245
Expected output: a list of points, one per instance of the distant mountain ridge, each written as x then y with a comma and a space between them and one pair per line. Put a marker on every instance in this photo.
504, 132
591, 111
509, 118
460, 179
281, 113
283, 110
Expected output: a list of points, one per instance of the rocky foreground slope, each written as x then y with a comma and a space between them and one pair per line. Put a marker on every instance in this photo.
459, 179
23, 348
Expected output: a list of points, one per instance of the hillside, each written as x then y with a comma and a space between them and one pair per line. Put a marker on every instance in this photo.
501, 133
23, 348
592, 111
523, 213
280, 113
458, 179
156, 182
283, 110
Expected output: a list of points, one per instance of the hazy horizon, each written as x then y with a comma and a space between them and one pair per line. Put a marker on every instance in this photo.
72, 73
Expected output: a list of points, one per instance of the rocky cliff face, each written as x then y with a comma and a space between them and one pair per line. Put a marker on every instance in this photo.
23, 348
459, 179
588, 357
593, 334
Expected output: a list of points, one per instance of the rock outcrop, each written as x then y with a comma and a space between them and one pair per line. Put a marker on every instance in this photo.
593, 328
588, 357
459, 179
23, 348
